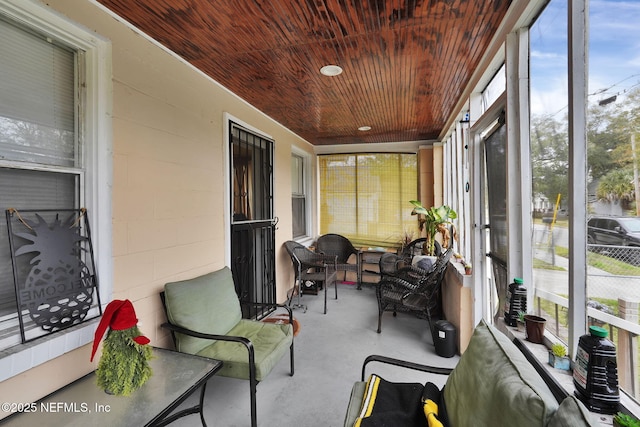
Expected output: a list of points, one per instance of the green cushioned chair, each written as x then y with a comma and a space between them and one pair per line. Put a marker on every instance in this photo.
205, 319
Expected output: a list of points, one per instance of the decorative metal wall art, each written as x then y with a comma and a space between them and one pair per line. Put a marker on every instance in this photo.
53, 268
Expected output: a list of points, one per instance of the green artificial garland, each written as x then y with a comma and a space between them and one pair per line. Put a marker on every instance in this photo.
124, 365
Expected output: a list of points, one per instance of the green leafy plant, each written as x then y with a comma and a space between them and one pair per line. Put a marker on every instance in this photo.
559, 350
124, 366
521, 316
624, 420
434, 220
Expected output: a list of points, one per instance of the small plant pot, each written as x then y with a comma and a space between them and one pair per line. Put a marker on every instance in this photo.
468, 270
520, 326
534, 328
559, 362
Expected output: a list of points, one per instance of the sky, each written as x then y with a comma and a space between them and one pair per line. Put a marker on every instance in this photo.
614, 53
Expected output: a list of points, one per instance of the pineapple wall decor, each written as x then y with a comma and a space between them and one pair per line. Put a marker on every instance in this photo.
53, 269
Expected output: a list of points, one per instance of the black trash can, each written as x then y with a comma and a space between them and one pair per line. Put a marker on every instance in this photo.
444, 337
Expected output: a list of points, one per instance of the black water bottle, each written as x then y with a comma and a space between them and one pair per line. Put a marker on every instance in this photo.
515, 302
595, 372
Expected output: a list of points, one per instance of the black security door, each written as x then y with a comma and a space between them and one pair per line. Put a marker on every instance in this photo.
252, 223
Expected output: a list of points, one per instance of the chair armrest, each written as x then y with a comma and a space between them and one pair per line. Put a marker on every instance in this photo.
397, 284
270, 304
404, 364
179, 329
310, 259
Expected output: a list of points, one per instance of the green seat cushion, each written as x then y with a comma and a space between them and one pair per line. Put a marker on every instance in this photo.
494, 382
270, 342
207, 304
572, 413
355, 403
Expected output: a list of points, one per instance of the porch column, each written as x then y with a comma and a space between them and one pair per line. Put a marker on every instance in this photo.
628, 347
425, 176
438, 174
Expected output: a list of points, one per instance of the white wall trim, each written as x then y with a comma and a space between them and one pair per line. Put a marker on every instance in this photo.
98, 179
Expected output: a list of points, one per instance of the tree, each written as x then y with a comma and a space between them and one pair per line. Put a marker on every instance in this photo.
549, 156
617, 185
610, 158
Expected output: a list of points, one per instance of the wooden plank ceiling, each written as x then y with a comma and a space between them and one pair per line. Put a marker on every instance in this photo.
405, 62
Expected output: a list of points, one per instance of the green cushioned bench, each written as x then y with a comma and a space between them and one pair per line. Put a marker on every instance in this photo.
493, 385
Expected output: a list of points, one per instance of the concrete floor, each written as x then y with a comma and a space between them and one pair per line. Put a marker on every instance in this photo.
329, 351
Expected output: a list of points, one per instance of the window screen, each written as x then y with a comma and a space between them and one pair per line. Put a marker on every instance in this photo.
365, 197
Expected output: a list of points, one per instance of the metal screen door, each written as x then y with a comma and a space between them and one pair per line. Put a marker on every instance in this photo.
252, 220
495, 145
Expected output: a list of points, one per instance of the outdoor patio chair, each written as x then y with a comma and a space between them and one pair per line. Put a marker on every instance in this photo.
310, 266
390, 263
205, 319
413, 290
340, 247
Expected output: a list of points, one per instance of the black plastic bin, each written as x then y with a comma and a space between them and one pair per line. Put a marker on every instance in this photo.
444, 337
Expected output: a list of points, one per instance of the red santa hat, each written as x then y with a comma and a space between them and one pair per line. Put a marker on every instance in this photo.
118, 315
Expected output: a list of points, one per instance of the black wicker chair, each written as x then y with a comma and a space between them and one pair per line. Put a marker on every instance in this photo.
390, 263
340, 247
309, 265
413, 290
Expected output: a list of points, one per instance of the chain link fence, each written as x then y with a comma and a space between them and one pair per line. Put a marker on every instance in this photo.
613, 292
612, 271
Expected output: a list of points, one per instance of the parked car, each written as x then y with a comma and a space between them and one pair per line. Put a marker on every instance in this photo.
613, 231
547, 216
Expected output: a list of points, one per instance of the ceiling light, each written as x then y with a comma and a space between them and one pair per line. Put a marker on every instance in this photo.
331, 70
364, 128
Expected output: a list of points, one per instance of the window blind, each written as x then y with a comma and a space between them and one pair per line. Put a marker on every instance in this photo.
37, 106
365, 197
25, 189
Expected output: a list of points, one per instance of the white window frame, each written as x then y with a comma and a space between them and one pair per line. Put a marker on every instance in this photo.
97, 163
308, 188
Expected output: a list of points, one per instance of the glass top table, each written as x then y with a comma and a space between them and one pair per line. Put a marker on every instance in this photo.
82, 403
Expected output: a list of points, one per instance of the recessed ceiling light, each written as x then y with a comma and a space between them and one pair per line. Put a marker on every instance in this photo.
331, 70
364, 128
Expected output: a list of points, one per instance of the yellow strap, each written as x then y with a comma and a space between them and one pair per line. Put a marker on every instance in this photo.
431, 412
369, 399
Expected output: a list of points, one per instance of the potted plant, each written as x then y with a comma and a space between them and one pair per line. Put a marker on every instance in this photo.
405, 239
534, 328
624, 420
467, 268
434, 220
558, 357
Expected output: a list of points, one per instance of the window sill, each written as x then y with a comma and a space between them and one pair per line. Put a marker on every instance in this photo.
304, 240
564, 378
22, 357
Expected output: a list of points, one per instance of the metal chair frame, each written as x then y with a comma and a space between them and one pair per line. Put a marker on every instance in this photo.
342, 248
309, 265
